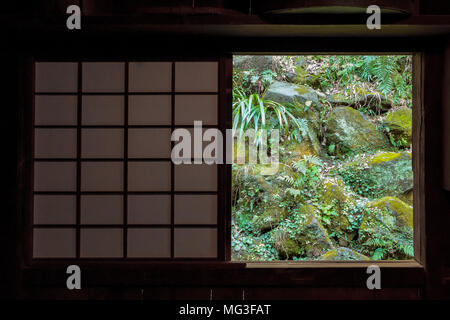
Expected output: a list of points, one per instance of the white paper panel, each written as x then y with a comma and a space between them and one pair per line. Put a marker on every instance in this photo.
195, 243
56, 76
55, 176
101, 176
195, 177
103, 110
101, 209
150, 76
103, 76
149, 110
55, 110
54, 209
148, 243
149, 176
190, 108
102, 143
54, 243
196, 76
149, 143
149, 209
195, 209
101, 243
55, 143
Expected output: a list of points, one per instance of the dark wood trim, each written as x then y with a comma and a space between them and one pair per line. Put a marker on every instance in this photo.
210, 274
434, 230
125, 163
79, 148
418, 159
225, 121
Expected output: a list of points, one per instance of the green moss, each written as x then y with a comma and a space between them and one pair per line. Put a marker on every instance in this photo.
351, 132
287, 248
301, 235
330, 255
302, 89
398, 123
386, 156
386, 231
269, 218
385, 174
339, 211
402, 211
401, 118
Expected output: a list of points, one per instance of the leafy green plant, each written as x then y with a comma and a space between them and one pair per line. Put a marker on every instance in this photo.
303, 184
253, 111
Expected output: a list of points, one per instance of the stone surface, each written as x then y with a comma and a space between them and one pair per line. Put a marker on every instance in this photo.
383, 174
351, 132
284, 92
398, 123
256, 62
387, 226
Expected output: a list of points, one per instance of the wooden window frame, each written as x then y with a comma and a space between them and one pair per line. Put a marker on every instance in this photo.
222, 271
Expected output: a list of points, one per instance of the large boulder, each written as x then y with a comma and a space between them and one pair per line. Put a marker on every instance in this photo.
351, 132
383, 174
284, 92
402, 212
398, 123
257, 63
270, 216
340, 210
387, 229
312, 236
343, 254
303, 235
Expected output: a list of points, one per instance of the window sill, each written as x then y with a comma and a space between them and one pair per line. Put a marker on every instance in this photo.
333, 264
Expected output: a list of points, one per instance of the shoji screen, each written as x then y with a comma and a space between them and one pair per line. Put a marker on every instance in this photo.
104, 184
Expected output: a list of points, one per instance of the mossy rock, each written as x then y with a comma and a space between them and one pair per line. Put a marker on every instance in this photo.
383, 174
402, 211
284, 92
294, 150
305, 237
254, 249
398, 123
387, 227
351, 132
343, 254
338, 99
342, 203
312, 236
286, 247
270, 217
309, 144
256, 62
